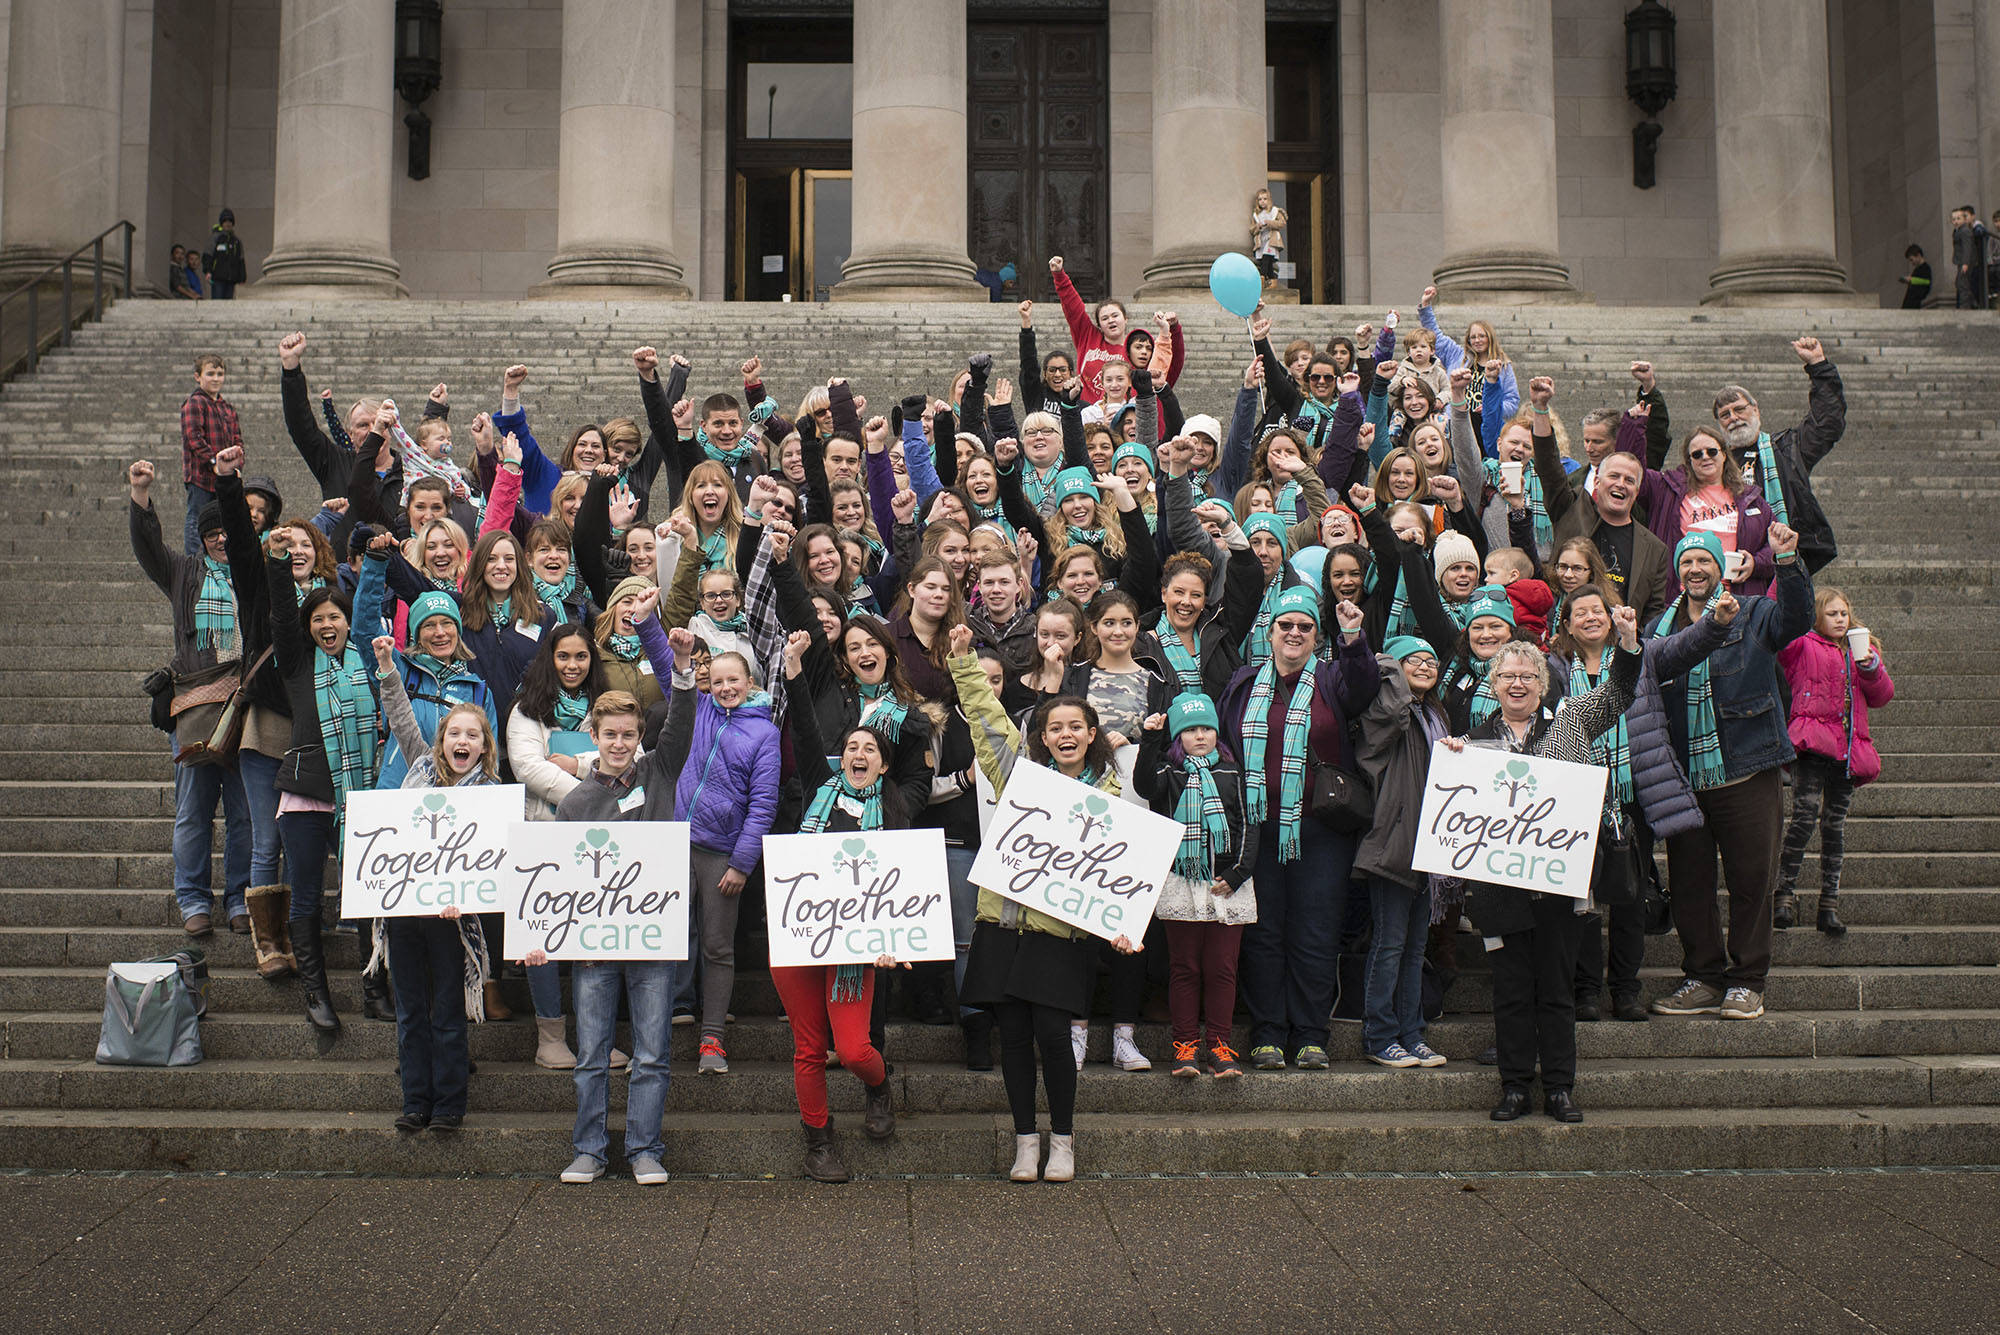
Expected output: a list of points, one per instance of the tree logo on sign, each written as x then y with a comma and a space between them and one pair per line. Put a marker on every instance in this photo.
856, 857
597, 851
1515, 781
435, 813
1093, 813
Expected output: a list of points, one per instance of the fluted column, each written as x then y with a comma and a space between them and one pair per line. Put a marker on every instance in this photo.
615, 178
1773, 155
1499, 145
1986, 64
909, 155
336, 119
65, 70
1208, 137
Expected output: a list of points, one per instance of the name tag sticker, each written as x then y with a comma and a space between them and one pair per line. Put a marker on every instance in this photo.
849, 805
532, 633
633, 800
646, 667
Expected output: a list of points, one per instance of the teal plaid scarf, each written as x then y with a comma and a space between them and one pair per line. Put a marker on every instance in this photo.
821, 809
1204, 820
991, 514
715, 551
625, 648
1035, 481
1538, 510
1287, 502
560, 593
1484, 703
1613, 748
1767, 476
1257, 644
346, 721
889, 714
1704, 755
1402, 621
1093, 537
299, 591
1186, 665
571, 707
502, 612
1292, 761
215, 624
737, 624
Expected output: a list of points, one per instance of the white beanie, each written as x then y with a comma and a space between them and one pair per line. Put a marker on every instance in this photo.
1204, 425
1453, 547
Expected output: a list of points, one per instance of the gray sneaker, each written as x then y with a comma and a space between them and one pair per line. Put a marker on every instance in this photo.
1740, 1003
582, 1169
1690, 998
714, 1061
647, 1172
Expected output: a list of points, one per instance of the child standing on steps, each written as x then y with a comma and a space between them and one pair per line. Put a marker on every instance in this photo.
438, 964
1836, 675
1207, 897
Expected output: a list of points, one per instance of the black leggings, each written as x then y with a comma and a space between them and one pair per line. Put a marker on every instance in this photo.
1024, 1026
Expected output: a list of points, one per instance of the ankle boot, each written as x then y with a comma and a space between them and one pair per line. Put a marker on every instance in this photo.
878, 1118
496, 1005
1784, 911
376, 1002
312, 975
268, 907
1062, 1159
1027, 1158
1829, 919
551, 1048
822, 1159
978, 1028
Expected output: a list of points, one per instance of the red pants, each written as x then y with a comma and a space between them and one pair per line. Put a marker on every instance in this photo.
819, 1022
1201, 976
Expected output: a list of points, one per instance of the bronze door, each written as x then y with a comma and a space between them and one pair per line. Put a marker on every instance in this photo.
1039, 123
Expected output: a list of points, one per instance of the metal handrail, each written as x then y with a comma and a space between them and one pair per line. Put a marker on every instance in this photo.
31, 291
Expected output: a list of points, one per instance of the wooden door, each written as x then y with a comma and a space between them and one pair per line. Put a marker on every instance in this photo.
1039, 126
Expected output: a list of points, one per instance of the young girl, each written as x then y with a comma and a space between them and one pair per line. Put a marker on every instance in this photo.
1832, 692
438, 964
1267, 235
1207, 897
626, 667
1035, 972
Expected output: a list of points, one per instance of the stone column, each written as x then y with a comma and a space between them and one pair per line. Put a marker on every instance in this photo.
1773, 156
65, 77
909, 155
336, 119
615, 179
1986, 65
1499, 144
1208, 138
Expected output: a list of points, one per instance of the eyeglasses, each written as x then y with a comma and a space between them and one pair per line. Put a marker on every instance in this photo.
1038, 431
1421, 662
718, 595
1704, 454
1516, 678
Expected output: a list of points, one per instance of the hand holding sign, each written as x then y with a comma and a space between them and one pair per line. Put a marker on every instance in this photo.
863, 897
416, 852
575, 890
1524, 821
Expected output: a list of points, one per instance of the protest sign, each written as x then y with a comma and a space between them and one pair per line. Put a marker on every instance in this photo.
1525, 821
1068, 850
578, 890
852, 898
412, 852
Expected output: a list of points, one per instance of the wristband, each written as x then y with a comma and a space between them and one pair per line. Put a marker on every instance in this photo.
510, 465
1539, 412
1786, 558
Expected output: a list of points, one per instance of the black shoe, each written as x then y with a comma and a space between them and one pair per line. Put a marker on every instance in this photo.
307, 950
1629, 1008
1561, 1106
1829, 918
822, 1159
1513, 1104
1490, 1057
445, 1125
376, 1003
1785, 912
1587, 1012
411, 1123
978, 1028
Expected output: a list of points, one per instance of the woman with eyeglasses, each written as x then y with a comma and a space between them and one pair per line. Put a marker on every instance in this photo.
1281, 718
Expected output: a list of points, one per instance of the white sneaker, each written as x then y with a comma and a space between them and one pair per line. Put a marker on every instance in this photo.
647, 1171
582, 1169
1125, 1054
1079, 1039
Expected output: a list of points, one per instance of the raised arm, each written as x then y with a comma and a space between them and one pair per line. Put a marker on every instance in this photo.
995, 739
591, 536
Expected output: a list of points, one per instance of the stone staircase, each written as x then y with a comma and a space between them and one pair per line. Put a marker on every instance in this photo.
1878, 1049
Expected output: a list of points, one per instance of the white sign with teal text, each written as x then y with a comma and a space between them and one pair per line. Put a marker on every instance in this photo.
413, 852
853, 898
577, 890
1525, 821
1066, 849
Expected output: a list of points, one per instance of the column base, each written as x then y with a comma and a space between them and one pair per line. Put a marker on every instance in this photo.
1776, 278
20, 263
1179, 274
611, 273
1502, 277
324, 271
908, 276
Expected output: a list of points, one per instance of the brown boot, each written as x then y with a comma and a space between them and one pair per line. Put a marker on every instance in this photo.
496, 1008
270, 907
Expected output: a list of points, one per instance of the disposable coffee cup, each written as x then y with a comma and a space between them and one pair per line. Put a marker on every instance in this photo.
1739, 565
1857, 644
1510, 475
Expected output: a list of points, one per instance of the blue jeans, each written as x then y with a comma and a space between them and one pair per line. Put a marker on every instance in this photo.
197, 790
1395, 992
964, 904
427, 960
594, 988
191, 527
1291, 963
259, 773
308, 838
545, 988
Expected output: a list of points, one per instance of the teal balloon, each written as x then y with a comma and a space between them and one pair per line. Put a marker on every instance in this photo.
1235, 283
1310, 563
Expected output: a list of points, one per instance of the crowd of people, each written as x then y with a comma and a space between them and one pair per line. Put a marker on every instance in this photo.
760, 621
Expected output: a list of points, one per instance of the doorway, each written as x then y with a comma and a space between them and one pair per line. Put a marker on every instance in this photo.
791, 125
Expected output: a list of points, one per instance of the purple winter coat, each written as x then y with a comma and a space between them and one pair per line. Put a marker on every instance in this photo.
1660, 496
728, 789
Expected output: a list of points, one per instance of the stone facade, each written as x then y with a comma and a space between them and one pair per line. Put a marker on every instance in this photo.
1888, 101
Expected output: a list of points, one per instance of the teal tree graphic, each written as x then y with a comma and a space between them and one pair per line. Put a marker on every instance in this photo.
597, 851
1515, 781
1092, 814
855, 856
435, 813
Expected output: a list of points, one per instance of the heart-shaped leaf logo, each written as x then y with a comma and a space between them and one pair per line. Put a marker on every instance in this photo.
597, 838
1097, 804
434, 800
854, 848
1517, 768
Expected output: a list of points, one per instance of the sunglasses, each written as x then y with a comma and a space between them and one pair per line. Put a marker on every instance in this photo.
1296, 627
1322, 379
1704, 454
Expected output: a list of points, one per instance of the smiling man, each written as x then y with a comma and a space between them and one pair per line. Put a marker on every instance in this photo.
1633, 553
1781, 465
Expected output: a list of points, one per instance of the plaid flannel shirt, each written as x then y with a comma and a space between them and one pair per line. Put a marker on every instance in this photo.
208, 426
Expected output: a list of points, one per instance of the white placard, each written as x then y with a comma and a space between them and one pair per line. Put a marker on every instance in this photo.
581, 890
1525, 821
852, 898
1063, 848
412, 852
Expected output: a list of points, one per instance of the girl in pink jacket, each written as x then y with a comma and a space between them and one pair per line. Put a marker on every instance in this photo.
1836, 675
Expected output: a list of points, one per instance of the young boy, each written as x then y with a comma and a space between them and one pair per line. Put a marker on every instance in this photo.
1917, 282
1510, 568
1968, 257
208, 427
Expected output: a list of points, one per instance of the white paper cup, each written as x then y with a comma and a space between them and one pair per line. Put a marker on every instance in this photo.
1738, 566
1510, 475
1857, 644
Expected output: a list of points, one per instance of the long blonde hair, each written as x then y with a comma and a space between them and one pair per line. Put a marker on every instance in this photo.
732, 505
489, 757
414, 553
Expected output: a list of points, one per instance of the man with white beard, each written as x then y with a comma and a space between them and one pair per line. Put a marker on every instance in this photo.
1781, 466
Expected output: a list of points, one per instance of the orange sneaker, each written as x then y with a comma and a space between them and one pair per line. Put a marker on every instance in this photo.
1186, 1060
1224, 1060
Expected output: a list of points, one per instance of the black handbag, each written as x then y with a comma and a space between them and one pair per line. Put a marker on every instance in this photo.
1340, 801
1615, 881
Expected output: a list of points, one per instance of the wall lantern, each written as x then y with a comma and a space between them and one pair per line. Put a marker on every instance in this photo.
1649, 80
419, 70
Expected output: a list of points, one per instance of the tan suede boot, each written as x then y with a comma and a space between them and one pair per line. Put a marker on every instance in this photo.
269, 907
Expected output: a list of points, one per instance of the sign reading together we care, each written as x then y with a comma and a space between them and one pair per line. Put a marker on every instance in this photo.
853, 898
583, 891
1064, 848
414, 852
1525, 821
